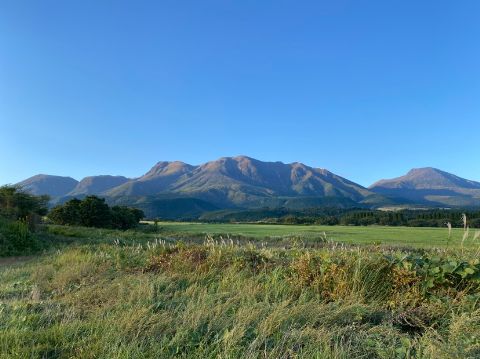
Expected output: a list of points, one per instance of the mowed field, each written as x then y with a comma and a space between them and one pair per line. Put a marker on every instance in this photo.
395, 236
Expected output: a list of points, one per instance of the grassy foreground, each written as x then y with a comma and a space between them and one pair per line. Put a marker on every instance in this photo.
120, 295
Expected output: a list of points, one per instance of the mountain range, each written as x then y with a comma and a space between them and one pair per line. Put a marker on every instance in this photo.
177, 189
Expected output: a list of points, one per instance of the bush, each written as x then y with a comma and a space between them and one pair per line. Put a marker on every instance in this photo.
125, 218
16, 238
18, 205
19, 214
69, 213
94, 212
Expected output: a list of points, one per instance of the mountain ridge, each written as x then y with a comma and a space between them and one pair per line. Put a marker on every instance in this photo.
239, 180
430, 185
245, 182
54, 186
97, 184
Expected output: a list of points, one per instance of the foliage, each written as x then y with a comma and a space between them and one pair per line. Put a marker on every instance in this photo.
222, 299
19, 214
347, 216
92, 211
68, 213
16, 204
16, 238
124, 217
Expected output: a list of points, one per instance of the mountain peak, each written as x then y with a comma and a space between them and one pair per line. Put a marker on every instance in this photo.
425, 171
242, 158
167, 168
428, 178
97, 185
54, 186
430, 185
422, 169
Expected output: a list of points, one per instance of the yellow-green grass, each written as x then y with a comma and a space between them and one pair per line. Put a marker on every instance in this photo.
153, 293
395, 236
221, 301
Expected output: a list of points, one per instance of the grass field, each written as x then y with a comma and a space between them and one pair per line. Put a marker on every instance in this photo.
152, 293
399, 236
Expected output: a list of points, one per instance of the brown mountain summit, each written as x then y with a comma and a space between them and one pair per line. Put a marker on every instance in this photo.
240, 180
431, 185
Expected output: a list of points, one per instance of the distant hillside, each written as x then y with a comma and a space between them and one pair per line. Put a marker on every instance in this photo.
158, 180
54, 186
241, 181
97, 185
430, 186
166, 207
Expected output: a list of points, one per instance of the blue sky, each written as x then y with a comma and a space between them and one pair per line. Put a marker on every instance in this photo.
367, 89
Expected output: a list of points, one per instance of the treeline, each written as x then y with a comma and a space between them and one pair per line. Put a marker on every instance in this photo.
93, 211
350, 217
20, 213
273, 215
411, 218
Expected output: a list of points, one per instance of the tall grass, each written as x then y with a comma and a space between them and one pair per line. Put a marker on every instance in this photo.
227, 299
16, 238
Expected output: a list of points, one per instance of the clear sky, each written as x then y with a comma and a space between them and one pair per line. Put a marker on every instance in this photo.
366, 89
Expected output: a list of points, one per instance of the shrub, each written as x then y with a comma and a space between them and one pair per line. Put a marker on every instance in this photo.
15, 205
69, 213
125, 218
19, 213
16, 238
94, 212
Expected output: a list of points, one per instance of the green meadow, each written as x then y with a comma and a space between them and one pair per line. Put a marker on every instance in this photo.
391, 236
190, 290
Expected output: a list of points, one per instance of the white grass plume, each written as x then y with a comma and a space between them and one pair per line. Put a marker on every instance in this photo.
449, 226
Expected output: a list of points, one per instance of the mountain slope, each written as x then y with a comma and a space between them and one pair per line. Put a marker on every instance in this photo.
97, 185
158, 180
241, 181
431, 186
54, 186
165, 207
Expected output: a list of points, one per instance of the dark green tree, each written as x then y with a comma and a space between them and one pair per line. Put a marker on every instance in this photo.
19, 213
125, 218
16, 204
68, 213
94, 212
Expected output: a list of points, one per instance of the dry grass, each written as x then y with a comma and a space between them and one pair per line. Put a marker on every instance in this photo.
221, 299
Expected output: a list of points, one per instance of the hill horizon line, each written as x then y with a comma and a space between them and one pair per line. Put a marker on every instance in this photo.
79, 179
